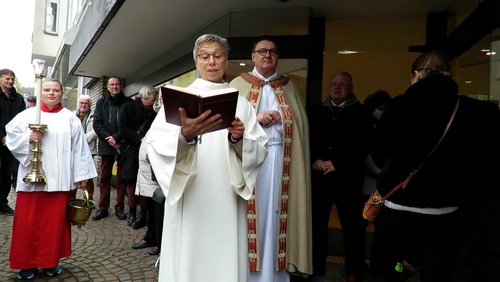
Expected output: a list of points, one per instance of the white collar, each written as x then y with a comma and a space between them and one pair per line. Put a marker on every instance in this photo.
257, 74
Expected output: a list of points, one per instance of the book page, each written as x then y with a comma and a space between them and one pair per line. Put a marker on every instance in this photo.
182, 89
218, 92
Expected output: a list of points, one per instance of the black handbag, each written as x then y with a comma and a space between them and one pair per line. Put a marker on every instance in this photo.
158, 193
158, 196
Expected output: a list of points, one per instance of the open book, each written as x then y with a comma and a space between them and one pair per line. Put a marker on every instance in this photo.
220, 101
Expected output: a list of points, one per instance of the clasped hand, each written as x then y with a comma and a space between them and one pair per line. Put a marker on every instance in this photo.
269, 118
112, 142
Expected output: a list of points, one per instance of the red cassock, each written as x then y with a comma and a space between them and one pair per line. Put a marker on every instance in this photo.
41, 233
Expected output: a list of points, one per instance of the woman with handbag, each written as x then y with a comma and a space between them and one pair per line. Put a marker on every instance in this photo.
434, 145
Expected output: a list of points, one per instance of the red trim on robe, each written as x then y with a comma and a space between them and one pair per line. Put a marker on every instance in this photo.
252, 209
41, 232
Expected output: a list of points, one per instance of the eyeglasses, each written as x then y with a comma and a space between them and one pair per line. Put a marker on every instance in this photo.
263, 52
217, 56
342, 84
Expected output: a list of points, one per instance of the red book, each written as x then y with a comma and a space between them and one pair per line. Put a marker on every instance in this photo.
220, 101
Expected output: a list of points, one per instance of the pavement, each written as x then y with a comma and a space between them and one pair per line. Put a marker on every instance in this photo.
101, 251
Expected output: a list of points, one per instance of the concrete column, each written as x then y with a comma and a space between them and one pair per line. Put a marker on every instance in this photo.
495, 71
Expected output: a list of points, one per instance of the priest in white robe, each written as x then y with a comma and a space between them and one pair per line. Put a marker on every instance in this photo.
206, 178
280, 240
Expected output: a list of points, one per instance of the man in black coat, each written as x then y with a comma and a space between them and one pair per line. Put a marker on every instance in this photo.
106, 116
11, 103
340, 136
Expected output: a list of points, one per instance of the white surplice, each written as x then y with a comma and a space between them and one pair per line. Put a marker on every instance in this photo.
206, 186
65, 156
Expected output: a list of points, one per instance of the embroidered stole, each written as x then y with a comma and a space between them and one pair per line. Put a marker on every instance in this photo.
252, 215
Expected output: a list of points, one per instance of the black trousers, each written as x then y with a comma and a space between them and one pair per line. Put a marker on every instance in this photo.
8, 172
350, 209
429, 239
154, 223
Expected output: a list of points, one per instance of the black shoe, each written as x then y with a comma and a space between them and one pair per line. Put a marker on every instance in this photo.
5, 209
142, 244
100, 214
131, 219
120, 214
140, 222
154, 251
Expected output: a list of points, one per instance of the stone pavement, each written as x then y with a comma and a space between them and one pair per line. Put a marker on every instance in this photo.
101, 251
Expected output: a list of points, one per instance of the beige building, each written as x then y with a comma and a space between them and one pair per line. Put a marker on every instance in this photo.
150, 41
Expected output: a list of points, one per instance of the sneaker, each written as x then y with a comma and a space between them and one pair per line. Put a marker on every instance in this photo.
5, 209
26, 274
53, 271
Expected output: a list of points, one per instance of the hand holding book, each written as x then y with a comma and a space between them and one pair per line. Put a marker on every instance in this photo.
195, 104
192, 127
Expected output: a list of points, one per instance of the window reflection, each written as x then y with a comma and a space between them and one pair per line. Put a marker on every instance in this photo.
51, 14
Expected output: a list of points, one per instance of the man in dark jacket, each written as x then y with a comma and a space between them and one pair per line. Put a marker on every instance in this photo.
11, 103
341, 129
106, 117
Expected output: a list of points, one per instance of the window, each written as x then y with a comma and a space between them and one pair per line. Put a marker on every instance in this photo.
51, 16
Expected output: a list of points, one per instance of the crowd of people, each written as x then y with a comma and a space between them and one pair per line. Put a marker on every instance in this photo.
252, 202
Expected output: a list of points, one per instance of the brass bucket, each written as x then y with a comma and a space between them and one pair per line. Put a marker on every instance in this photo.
79, 209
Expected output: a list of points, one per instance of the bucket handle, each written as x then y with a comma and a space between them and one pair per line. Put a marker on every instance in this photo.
85, 197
